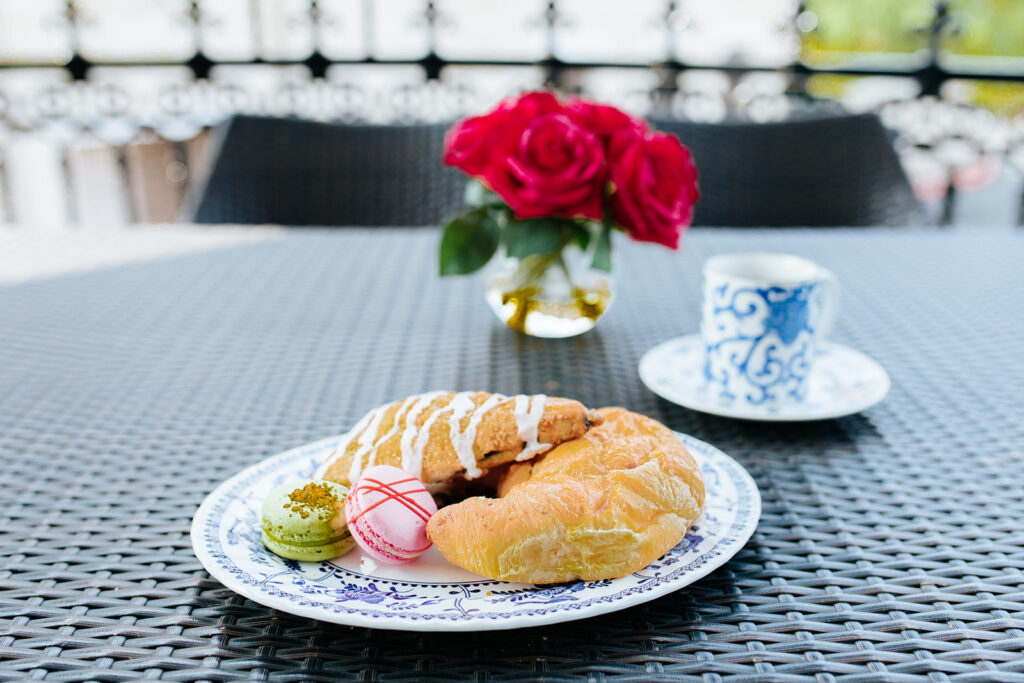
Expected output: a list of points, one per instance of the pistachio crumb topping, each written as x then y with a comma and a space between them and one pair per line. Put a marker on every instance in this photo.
313, 497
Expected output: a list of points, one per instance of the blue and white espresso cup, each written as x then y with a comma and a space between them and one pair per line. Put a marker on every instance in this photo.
764, 315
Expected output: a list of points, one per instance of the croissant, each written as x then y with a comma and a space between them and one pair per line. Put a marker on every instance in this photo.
439, 435
597, 507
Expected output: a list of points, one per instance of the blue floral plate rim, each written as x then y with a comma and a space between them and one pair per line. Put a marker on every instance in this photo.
226, 539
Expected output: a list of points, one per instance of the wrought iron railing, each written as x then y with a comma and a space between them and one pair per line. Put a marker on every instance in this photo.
930, 75
404, 61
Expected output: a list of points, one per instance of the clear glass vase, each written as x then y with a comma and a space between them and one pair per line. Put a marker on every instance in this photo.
548, 295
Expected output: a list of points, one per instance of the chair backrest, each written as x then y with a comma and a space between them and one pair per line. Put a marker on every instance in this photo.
294, 172
835, 170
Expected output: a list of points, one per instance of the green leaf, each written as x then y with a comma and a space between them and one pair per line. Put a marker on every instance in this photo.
603, 249
524, 238
468, 241
580, 235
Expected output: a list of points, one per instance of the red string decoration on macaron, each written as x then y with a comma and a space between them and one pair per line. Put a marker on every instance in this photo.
390, 493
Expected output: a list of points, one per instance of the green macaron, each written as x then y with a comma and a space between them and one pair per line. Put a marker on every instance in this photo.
305, 520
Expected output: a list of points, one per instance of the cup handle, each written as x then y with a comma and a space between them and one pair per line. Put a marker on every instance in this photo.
830, 307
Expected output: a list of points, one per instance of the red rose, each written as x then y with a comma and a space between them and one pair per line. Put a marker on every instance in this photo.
546, 158
655, 186
467, 144
602, 119
545, 164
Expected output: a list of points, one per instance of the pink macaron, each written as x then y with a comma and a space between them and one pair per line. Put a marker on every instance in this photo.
387, 511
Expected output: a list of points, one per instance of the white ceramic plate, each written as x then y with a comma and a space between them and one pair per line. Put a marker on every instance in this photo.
842, 382
431, 594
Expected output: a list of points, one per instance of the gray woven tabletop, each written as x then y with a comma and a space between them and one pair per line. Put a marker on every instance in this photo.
891, 545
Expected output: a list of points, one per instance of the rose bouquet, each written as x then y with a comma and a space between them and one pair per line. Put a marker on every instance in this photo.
551, 175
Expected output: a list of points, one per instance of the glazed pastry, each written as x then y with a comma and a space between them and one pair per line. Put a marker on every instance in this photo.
387, 511
305, 520
440, 435
597, 507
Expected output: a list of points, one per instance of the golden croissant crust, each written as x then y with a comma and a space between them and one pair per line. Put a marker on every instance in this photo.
440, 435
600, 506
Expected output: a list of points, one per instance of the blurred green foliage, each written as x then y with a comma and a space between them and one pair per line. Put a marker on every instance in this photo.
841, 31
989, 28
1002, 98
999, 97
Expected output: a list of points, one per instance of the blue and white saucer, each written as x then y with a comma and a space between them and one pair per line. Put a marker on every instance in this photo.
430, 594
842, 382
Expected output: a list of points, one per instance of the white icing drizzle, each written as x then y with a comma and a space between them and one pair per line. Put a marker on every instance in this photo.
390, 433
462, 440
520, 409
528, 411
342, 446
409, 433
419, 444
366, 441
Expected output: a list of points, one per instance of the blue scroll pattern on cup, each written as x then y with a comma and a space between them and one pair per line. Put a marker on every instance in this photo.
759, 342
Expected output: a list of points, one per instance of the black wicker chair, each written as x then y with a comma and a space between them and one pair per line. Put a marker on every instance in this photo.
294, 172
834, 170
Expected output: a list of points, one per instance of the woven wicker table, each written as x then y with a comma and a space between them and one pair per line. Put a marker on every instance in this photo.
890, 548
